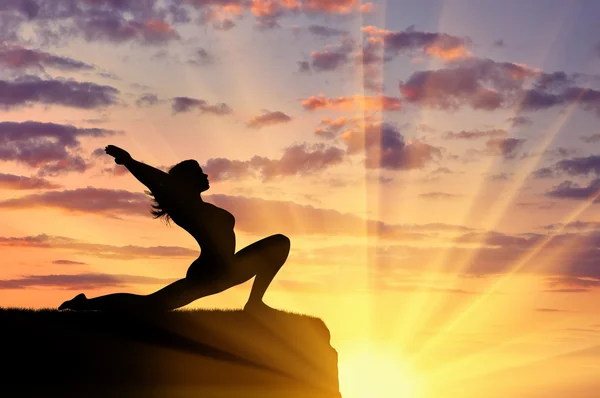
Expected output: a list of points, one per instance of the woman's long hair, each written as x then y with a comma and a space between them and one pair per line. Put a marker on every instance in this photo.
163, 201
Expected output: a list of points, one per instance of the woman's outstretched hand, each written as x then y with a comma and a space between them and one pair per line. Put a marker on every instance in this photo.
121, 156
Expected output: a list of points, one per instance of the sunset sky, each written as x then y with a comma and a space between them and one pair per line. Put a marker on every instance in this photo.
436, 165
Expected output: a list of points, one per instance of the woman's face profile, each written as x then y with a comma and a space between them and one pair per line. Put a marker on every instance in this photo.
203, 180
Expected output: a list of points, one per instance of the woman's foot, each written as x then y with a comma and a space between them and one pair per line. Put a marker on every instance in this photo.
257, 306
74, 304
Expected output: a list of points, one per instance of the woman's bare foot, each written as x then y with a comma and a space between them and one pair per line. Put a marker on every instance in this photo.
257, 306
74, 304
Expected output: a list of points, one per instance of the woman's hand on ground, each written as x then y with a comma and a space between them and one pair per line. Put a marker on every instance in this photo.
121, 156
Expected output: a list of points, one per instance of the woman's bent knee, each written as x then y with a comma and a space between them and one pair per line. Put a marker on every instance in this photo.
282, 240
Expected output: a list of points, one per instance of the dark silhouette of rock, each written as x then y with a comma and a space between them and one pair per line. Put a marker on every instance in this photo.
172, 354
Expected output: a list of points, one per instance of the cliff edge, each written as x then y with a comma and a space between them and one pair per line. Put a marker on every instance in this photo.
199, 353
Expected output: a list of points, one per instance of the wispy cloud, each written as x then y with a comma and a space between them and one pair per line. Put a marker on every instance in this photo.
80, 281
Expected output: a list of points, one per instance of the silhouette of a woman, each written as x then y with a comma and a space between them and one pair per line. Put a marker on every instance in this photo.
218, 268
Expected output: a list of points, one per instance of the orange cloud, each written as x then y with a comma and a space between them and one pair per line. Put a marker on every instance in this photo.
267, 119
367, 8
449, 54
270, 8
332, 6
160, 27
352, 103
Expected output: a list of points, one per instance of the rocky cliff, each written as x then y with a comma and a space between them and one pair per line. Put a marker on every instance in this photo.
177, 354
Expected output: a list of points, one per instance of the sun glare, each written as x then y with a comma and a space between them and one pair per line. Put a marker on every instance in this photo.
371, 370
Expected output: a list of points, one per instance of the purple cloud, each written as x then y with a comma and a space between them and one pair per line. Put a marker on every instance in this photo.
332, 58
505, 147
101, 201
147, 100
326, 31
50, 147
478, 83
571, 190
475, 134
201, 57
13, 56
520, 121
80, 281
31, 90
11, 181
187, 104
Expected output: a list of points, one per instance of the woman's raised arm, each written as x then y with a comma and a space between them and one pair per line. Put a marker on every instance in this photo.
151, 177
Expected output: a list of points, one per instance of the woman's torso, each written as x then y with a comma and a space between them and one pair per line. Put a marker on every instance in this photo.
211, 226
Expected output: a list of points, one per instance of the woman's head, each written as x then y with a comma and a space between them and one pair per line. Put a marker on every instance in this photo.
190, 175
189, 178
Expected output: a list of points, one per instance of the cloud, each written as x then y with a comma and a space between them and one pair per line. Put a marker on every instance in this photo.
505, 147
201, 57
329, 128
519, 121
475, 134
116, 21
544, 172
538, 99
13, 56
77, 247
268, 12
186, 104
11, 181
352, 103
332, 57
80, 281
268, 119
68, 262
572, 282
386, 148
537, 205
499, 43
147, 100
303, 66
326, 31
500, 176
85, 200
571, 190
442, 170
438, 195
477, 83
576, 225
50, 147
70, 93
548, 310
579, 166
116, 29
440, 45
590, 139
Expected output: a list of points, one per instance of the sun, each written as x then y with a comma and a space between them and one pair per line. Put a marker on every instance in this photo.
371, 370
